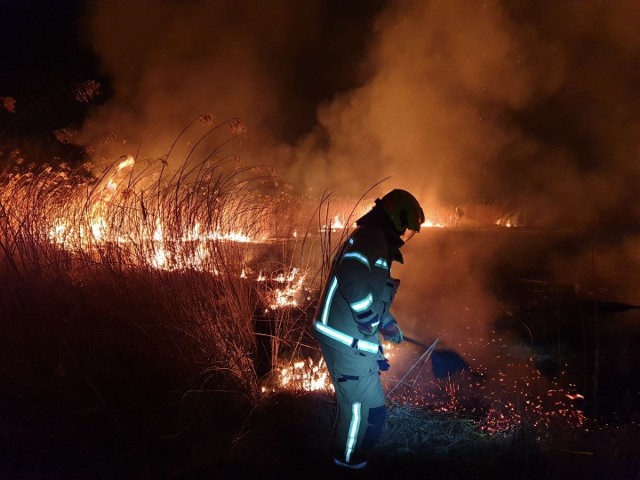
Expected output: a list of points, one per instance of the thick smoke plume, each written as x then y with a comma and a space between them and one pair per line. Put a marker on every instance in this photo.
526, 107
531, 105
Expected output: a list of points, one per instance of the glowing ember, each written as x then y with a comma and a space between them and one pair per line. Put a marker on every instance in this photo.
575, 396
498, 403
498, 406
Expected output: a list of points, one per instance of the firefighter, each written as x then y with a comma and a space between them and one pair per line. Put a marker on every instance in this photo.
352, 314
458, 214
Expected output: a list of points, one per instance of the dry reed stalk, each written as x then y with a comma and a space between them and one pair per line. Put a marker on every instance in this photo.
132, 220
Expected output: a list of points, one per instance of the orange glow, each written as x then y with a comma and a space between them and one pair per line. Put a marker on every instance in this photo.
431, 224
336, 223
303, 375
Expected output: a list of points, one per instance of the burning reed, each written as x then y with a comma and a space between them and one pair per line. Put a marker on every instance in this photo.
129, 299
141, 299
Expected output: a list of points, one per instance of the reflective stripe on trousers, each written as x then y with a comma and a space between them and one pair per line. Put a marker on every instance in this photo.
354, 427
361, 404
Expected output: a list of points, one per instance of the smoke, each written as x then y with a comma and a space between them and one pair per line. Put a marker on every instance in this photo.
269, 63
444, 290
533, 106
530, 107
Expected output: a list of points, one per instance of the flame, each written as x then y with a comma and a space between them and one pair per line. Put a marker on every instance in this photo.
303, 375
82, 221
336, 223
507, 222
431, 224
289, 290
86, 222
125, 163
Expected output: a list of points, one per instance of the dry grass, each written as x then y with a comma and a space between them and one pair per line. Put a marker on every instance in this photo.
417, 430
135, 318
128, 305
58, 226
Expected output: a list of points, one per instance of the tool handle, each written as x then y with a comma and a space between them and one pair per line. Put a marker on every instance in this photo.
416, 342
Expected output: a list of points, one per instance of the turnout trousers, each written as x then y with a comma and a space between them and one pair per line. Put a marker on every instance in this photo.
361, 408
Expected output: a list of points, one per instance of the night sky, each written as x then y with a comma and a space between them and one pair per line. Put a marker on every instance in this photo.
529, 104
44, 56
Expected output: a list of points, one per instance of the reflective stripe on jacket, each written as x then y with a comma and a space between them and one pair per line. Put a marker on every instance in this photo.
357, 294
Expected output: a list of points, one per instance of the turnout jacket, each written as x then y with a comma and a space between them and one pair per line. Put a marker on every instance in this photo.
358, 294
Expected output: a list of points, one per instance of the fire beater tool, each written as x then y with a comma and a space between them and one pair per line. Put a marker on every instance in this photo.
445, 362
423, 359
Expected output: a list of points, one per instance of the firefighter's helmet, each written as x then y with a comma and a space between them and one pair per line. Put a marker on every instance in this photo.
403, 209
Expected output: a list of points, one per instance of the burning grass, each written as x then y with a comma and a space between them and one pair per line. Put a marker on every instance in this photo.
145, 308
129, 303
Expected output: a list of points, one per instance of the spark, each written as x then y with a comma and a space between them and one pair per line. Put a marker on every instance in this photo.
575, 396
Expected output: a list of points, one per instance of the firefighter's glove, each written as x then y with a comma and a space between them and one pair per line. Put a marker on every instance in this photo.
391, 332
384, 365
